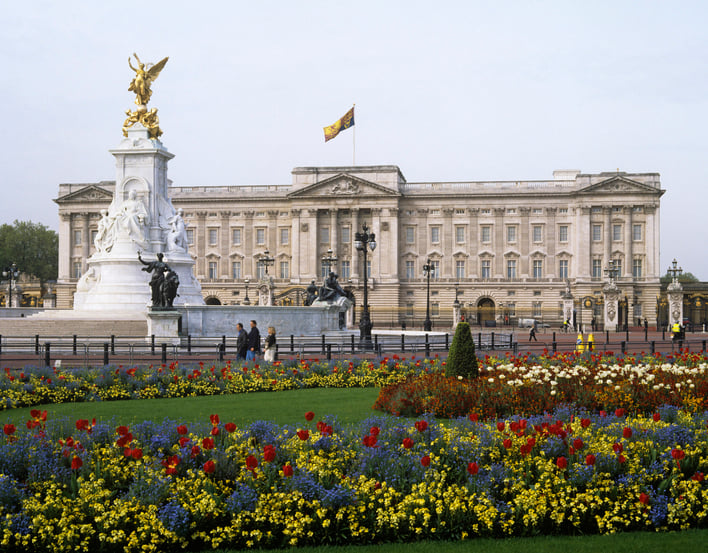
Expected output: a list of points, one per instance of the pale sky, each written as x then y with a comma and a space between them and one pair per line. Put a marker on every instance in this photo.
446, 90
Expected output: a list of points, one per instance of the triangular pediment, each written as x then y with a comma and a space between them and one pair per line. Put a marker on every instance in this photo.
619, 184
89, 194
344, 186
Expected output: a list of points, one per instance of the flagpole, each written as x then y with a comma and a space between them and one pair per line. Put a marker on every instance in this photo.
354, 141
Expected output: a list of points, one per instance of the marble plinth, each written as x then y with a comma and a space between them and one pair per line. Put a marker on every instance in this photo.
164, 326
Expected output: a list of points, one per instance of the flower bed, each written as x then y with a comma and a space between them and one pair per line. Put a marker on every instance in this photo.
529, 386
160, 487
34, 386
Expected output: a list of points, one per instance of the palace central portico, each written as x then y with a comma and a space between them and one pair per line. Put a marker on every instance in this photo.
505, 250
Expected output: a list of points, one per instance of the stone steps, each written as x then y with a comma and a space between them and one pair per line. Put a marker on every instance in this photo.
96, 328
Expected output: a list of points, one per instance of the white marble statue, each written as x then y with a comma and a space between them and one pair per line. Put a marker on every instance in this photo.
177, 234
105, 236
132, 219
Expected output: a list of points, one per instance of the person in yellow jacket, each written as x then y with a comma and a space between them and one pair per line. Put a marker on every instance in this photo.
676, 331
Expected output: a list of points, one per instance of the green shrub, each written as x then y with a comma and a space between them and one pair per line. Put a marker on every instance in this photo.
462, 360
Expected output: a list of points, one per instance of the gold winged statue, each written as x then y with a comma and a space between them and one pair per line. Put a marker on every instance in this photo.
144, 77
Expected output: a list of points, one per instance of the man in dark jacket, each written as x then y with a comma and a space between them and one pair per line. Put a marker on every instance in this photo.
241, 342
254, 342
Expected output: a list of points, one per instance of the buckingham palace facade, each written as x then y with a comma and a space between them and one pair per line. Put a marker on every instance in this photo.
504, 250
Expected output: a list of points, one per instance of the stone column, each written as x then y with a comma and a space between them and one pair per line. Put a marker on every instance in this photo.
295, 254
201, 238
608, 233
447, 237
224, 245
473, 247
499, 244
628, 242
524, 243
356, 227
85, 240
611, 296
64, 273
551, 240
249, 269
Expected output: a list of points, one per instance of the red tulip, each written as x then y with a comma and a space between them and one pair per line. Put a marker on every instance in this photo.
137, 454
617, 447
621, 458
472, 468
182, 429
506, 443
590, 459
304, 435
474, 417
214, 430
230, 427
122, 430
214, 419
584, 423
208, 443
425, 461
287, 471
578, 444
644, 498
698, 477
170, 464
269, 453
501, 426
195, 451
407, 443
309, 416
421, 426
678, 454
9, 429
374, 431
251, 463
562, 463
183, 442
76, 463
627, 432
619, 412
656, 417
209, 467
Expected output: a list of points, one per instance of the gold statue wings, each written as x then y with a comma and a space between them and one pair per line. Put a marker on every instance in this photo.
144, 76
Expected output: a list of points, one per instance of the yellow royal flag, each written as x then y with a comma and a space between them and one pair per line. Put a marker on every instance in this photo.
344, 123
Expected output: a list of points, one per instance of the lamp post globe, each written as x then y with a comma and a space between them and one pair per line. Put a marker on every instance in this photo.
361, 241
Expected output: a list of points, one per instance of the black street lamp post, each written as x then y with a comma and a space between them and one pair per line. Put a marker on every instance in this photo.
427, 269
246, 301
361, 240
13, 273
328, 260
265, 260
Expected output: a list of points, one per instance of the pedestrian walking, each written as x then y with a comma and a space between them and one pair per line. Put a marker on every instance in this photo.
241, 342
532, 334
253, 342
270, 349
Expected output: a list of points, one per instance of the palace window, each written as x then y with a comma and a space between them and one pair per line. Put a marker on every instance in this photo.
324, 235
563, 233
284, 269
597, 268
236, 236
596, 233
213, 236
511, 269
435, 272
77, 269
77, 238
537, 268
213, 270
616, 233
284, 236
636, 232
434, 235
410, 270
236, 270
344, 270
346, 235
511, 233
637, 268
190, 236
486, 234
563, 268
260, 237
459, 269
486, 269
537, 231
536, 310
460, 234
410, 235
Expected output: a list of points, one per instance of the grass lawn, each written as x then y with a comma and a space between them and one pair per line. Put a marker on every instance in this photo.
638, 542
347, 404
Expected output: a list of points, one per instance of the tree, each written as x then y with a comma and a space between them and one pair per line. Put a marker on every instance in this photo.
32, 247
683, 277
461, 359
